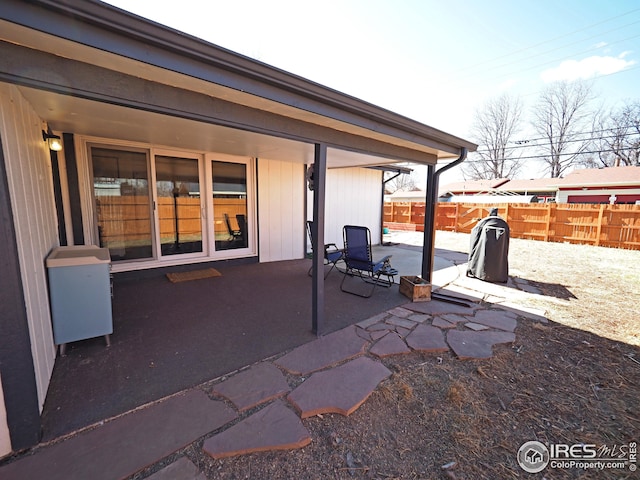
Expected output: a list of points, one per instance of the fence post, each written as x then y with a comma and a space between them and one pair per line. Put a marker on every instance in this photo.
599, 227
548, 222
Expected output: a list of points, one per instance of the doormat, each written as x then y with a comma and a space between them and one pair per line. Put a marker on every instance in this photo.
176, 277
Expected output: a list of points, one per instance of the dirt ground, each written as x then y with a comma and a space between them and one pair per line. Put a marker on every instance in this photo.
575, 380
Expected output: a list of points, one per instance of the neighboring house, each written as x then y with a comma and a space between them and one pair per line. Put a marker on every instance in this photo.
614, 185
157, 122
468, 187
544, 189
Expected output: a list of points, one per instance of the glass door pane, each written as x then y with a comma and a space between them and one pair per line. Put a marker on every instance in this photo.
123, 207
179, 212
230, 205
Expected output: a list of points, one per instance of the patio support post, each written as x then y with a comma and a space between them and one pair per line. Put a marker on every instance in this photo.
428, 249
319, 189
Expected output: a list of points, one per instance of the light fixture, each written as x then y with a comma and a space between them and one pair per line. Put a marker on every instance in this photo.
53, 140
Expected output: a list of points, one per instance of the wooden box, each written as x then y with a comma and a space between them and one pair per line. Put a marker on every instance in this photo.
415, 288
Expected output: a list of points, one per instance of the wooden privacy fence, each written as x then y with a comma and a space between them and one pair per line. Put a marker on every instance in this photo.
615, 226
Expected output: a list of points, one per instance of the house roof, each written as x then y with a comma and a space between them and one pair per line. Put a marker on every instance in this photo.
612, 176
472, 186
277, 110
530, 185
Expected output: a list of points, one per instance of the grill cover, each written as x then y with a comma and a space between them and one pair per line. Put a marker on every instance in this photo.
489, 250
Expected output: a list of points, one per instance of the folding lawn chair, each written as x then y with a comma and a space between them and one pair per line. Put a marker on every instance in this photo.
359, 262
332, 255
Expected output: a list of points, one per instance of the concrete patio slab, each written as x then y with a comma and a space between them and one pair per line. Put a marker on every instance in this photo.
426, 338
323, 352
260, 383
339, 390
500, 319
181, 469
535, 314
474, 345
390, 344
275, 427
127, 444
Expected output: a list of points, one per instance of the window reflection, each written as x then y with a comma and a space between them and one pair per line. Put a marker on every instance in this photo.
178, 190
121, 192
230, 205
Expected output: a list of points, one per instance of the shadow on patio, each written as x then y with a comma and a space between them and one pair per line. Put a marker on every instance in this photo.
169, 337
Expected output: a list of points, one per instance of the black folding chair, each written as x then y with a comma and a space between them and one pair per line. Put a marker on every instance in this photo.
332, 255
359, 262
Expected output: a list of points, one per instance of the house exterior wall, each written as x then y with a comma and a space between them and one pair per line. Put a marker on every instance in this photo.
30, 212
353, 197
595, 195
30, 185
280, 210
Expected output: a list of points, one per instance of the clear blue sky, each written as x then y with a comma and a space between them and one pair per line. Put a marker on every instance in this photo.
431, 60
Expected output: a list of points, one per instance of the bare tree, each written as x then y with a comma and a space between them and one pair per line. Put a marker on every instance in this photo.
493, 128
561, 116
618, 138
405, 182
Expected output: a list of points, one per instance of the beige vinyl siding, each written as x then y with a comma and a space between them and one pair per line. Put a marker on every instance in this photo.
31, 190
353, 197
280, 210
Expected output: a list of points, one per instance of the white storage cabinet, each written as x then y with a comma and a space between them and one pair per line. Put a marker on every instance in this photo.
80, 293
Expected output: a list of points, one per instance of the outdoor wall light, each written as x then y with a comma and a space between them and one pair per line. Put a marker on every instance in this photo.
53, 140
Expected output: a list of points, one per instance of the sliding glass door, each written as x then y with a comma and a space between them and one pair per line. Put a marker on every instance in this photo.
179, 206
149, 204
122, 202
229, 189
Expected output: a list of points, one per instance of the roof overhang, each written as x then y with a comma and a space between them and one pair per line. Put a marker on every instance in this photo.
93, 35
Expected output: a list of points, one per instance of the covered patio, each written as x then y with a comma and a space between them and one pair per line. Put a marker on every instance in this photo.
169, 337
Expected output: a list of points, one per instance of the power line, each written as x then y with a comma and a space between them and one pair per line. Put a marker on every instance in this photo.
534, 157
522, 50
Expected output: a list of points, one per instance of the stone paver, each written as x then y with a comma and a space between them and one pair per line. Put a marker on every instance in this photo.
323, 352
442, 323
181, 469
419, 317
426, 338
338, 390
390, 344
500, 319
400, 312
476, 326
258, 384
438, 308
468, 345
127, 444
275, 427
371, 320
400, 322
